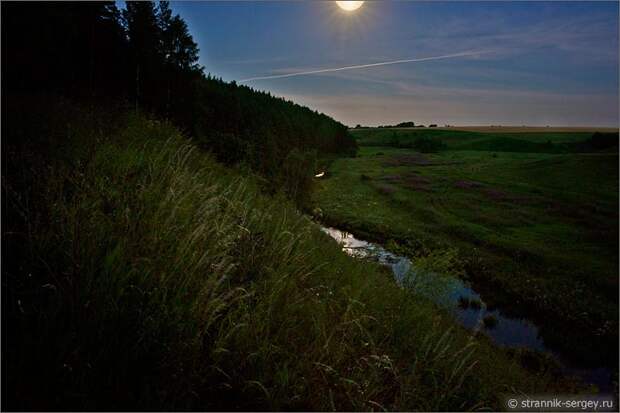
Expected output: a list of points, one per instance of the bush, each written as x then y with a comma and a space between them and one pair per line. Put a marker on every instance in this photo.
604, 140
296, 175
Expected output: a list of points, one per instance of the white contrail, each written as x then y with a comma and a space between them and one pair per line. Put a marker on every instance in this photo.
338, 69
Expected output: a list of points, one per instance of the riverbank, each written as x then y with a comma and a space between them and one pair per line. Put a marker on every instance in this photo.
519, 243
471, 311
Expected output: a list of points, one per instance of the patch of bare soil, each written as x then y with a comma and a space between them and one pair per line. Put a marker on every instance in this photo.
493, 194
417, 183
414, 159
410, 181
385, 189
463, 184
392, 178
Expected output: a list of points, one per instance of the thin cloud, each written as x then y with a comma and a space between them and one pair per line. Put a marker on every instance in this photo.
393, 62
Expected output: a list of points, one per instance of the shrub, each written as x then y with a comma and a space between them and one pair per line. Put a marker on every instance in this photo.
604, 140
295, 175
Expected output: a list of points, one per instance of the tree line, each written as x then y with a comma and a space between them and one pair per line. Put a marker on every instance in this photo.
145, 56
398, 125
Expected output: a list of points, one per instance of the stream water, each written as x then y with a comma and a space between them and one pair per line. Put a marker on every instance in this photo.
506, 331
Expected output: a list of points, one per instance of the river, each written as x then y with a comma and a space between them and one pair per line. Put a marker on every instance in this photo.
457, 296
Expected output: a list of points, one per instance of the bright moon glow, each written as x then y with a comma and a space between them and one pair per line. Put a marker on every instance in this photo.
349, 5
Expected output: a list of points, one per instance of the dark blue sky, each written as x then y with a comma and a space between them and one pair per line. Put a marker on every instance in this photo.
545, 63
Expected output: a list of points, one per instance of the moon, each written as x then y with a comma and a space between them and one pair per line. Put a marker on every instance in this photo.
349, 5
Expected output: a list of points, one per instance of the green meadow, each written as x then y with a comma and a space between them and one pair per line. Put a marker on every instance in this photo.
534, 217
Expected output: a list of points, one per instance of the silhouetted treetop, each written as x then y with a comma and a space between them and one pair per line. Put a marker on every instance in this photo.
145, 56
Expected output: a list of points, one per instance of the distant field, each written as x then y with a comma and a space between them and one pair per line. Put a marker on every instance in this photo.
520, 129
534, 221
504, 141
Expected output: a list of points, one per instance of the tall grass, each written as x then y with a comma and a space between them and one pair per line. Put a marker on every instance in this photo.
141, 274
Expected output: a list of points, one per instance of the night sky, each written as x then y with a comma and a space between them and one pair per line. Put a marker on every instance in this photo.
524, 63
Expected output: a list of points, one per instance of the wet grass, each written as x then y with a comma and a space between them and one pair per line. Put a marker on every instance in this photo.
536, 232
139, 274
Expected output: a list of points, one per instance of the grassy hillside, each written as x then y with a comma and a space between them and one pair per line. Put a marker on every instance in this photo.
538, 232
139, 273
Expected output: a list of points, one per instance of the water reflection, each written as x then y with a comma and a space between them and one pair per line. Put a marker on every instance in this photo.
507, 331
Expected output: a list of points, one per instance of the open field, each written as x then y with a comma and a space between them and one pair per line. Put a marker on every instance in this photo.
537, 231
530, 142
523, 129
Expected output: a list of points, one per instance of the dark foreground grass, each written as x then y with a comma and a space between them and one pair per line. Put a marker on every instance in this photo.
537, 232
140, 274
